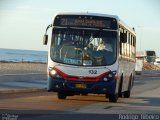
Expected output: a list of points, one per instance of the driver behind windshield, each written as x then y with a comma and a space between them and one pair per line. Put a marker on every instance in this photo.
105, 45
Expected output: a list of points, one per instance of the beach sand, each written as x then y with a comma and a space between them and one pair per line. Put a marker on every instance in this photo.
22, 68
22, 71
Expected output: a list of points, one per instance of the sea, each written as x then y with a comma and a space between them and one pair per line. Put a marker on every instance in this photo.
16, 55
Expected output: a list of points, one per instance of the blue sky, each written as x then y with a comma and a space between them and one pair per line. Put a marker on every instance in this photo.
23, 22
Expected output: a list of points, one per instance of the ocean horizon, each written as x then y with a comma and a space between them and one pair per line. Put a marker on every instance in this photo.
18, 55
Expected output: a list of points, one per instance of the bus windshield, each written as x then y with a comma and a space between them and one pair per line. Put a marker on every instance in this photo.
83, 47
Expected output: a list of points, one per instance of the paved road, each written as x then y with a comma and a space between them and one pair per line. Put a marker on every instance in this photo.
23, 86
144, 104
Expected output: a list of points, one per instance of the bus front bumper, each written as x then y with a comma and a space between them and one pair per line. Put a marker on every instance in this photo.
100, 87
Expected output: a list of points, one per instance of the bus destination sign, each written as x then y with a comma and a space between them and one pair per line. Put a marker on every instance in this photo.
82, 22
88, 22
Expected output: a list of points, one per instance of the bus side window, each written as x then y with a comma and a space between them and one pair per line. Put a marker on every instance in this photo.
120, 46
120, 42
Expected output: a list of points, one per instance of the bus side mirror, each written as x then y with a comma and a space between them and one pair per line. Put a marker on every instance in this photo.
45, 39
123, 37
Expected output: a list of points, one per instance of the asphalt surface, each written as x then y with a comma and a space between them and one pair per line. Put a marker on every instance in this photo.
23, 86
38, 104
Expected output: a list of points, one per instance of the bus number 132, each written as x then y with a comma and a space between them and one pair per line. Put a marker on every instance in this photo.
92, 71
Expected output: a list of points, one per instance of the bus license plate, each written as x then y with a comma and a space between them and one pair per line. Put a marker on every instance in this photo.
80, 85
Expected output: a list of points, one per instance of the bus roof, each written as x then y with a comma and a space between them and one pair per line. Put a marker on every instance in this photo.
88, 14
127, 27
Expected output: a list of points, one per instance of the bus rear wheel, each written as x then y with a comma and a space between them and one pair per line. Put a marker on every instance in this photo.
127, 93
61, 95
113, 98
84, 94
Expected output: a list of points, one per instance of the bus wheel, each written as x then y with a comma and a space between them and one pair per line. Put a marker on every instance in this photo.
84, 94
113, 98
120, 87
61, 95
127, 93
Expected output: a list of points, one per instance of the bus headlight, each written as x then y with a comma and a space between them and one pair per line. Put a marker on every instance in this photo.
53, 73
109, 76
105, 79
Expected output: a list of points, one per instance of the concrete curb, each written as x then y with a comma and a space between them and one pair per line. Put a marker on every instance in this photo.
7, 91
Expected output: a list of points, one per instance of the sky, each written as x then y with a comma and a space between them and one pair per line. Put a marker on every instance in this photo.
23, 22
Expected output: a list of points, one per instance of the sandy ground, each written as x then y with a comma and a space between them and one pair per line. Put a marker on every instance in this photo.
22, 67
22, 71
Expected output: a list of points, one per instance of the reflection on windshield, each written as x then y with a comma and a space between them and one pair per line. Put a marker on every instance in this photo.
83, 47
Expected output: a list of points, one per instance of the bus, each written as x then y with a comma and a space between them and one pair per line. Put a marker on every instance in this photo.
76, 63
151, 56
147, 55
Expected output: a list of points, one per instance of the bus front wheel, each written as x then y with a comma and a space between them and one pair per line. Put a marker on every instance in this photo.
113, 98
127, 94
61, 95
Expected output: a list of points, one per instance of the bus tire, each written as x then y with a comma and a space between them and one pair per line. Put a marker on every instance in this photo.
127, 93
84, 94
113, 98
120, 87
61, 95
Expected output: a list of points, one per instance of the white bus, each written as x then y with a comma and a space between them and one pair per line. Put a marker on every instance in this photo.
90, 53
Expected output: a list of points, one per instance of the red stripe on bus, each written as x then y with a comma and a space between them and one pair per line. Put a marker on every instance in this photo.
81, 78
